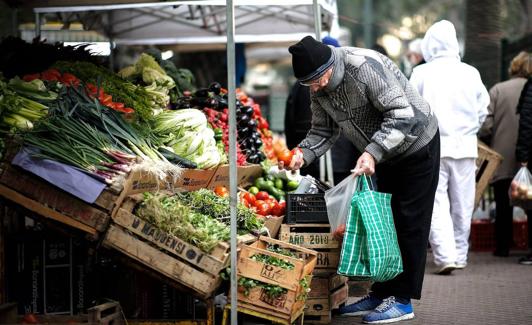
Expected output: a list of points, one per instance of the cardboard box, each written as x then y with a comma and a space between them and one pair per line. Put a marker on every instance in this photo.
246, 176
190, 180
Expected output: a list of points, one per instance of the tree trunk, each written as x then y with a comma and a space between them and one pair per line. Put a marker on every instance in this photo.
483, 38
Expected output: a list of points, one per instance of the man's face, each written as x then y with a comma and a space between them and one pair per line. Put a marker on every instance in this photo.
414, 58
319, 83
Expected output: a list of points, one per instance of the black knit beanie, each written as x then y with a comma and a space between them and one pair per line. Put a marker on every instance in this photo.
310, 58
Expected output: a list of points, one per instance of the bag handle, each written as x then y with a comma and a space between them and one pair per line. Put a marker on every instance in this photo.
365, 185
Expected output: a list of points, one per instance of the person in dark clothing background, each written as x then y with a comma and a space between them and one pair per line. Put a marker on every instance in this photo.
297, 124
523, 151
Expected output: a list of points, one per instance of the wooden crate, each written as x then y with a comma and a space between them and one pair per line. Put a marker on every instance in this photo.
487, 163
168, 255
327, 293
213, 262
47, 200
202, 283
288, 306
317, 237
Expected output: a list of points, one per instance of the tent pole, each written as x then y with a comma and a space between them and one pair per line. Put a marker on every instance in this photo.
317, 19
231, 85
38, 25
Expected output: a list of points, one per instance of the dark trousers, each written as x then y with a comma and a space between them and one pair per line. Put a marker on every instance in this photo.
503, 217
412, 182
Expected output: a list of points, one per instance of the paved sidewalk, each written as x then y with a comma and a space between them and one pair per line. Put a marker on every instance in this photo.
490, 291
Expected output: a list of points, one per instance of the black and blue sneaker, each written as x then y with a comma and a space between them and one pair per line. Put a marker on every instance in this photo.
362, 307
389, 311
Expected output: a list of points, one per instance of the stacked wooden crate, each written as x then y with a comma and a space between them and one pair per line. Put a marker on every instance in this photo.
287, 306
328, 289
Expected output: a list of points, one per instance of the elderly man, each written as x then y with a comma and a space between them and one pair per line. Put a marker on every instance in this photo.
363, 95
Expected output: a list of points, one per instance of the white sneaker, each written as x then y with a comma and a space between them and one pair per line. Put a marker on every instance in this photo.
460, 266
446, 269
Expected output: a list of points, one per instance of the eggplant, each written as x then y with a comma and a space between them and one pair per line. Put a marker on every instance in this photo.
261, 155
243, 120
258, 142
253, 158
252, 124
243, 132
238, 111
176, 159
215, 87
248, 110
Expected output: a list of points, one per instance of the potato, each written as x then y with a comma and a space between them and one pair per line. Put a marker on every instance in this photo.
514, 185
522, 188
529, 194
514, 194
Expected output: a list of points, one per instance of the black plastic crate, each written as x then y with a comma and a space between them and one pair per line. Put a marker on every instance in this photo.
306, 208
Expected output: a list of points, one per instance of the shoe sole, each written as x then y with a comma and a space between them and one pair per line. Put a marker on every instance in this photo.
356, 313
391, 320
460, 267
526, 263
446, 270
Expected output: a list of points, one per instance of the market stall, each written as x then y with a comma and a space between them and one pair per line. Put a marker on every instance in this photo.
81, 83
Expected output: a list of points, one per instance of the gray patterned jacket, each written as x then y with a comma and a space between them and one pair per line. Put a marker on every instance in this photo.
372, 103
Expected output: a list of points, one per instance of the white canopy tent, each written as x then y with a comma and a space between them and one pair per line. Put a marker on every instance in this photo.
198, 22
201, 22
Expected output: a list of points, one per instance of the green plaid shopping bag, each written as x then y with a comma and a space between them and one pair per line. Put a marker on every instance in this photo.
370, 247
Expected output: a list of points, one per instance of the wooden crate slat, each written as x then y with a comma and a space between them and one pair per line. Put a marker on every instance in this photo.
40, 209
174, 245
50, 196
297, 234
289, 279
203, 283
317, 306
339, 296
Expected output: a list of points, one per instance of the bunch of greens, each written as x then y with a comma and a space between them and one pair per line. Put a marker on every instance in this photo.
174, 217
271, 290
18, 112
149, 74
185, 132
183, 78
207, 202
122, 90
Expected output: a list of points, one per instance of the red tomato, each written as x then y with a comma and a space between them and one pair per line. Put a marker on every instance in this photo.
221, 191
285, 156
262, 195
263, 209
283, 207
105, 99
245, 203
276, 210
250, 198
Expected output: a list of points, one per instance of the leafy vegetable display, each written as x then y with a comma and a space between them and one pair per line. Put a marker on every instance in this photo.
207, 202
174, 216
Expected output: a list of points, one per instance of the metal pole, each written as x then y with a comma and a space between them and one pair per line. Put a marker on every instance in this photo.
317, 18
38, 25
368, 23
231, 88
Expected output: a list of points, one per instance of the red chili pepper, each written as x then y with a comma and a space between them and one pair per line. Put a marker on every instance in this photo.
30, 77
70, 79
51, 75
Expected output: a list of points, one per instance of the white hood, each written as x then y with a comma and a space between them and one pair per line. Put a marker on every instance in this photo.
440, 41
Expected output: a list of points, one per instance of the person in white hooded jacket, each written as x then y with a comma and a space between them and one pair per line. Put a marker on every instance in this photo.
456, 94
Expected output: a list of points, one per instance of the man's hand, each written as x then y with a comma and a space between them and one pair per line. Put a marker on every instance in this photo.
524, 163
296, 162
365, 165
